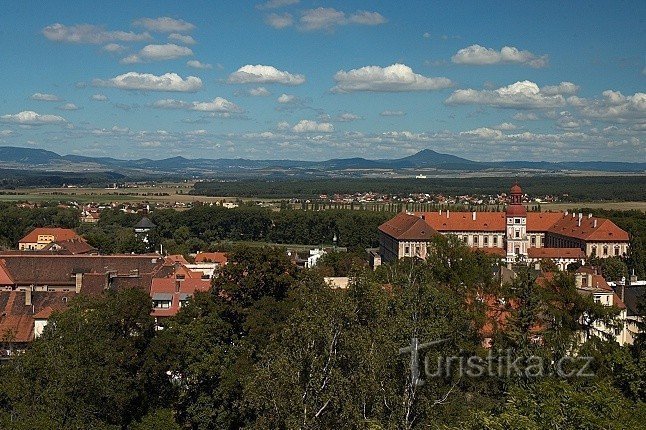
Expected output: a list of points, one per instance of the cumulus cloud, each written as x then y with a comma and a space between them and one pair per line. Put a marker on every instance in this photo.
565, 88
218, 104
165, 24
275, 4
327, 18
198, 64
68, 106
182, 38
506, 126
308, 126
30, 117
286, 98
43, 97
613, 106
480, 56
348, 117
519, 95
279, 21
260, 74
259, 92
150, 82
392, 113
525, 116
168, 51
93, 34
394, 78
114, 47
99, 97
483, 133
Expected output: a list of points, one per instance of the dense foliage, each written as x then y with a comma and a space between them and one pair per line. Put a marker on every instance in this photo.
273, 347
15, 221
203, 226
567, 188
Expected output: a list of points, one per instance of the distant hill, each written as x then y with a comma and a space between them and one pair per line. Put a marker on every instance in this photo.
425, 159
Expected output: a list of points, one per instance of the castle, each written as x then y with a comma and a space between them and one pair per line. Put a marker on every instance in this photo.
513, 235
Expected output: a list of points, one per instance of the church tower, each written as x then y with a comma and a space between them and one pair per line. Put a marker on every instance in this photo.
516, 220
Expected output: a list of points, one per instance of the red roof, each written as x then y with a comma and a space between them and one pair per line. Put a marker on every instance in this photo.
576, 253
589, 229
463, 221
407, 227
542, 221
516, 189
176, 290
58, 233
5, 276
211, 257
516, 210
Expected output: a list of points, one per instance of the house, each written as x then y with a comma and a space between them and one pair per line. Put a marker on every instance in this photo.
515, 233
169, 294
41, 237
71, 246
219, 258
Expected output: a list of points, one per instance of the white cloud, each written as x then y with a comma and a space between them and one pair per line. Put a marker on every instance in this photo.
506, 126
168, 51
182, 38
348, 117
114, 47
283, 125
259, 92
260, 74
307, 126
275, 4
43, 97
68, 106
198, 65
479, 56
392, 113
279, 21
150, 82
87, 33
520, 95
5, 133
29, 117
286, 98
99, 98
165, 24
394, 78
614, 106
483, 133
218, 104
525, 116
323, 18
363, 17
565, 88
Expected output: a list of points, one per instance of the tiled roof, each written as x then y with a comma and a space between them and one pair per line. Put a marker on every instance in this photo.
212, 257
463, 221
175, 290
179, 258
589, 229
53, 270
556, 253
17, 319
542, 221
58, 233
5, 276
407, 227
72, 246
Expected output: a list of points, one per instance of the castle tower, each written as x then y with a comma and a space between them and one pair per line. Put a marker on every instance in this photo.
516, 217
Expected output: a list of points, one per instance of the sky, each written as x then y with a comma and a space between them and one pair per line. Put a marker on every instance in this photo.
314, 80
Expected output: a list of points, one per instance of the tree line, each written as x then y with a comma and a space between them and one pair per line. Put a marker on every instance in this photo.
273, 347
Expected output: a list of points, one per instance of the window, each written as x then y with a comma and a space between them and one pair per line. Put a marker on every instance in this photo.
605, 250
616, 250
517, 234
516, 220
406, 250
495, 240
417, 250
180, 276
517, 251
485, 240
475, 240
162, 304
533, 240
466, 239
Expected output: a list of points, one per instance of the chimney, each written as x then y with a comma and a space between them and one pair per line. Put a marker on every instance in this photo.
566, 212
28, 296
474, 216
447, 213
79, 282
578, 222
594, 223
590, 215
440, 212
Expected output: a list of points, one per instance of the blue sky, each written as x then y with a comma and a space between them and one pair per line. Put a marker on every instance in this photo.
326, 79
